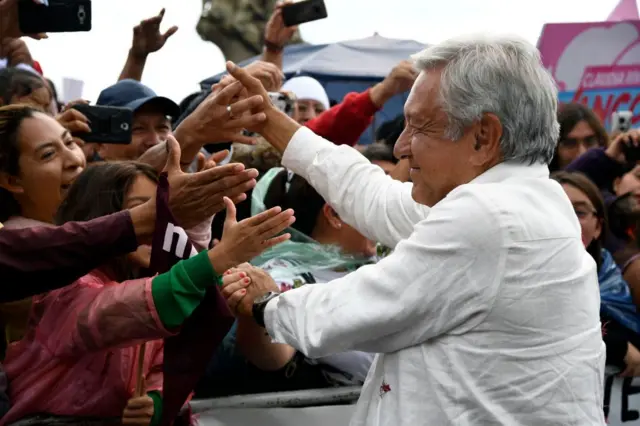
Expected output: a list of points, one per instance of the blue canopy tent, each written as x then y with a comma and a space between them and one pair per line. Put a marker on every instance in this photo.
348, 66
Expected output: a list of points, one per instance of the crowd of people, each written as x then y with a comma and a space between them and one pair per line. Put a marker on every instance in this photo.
88, 307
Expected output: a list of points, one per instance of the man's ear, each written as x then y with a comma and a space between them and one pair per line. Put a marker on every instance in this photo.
487, 139
331, 216
11, 183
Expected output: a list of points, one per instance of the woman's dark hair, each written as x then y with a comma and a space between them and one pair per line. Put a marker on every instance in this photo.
571, 114
100, 190
54, 94
18, 82
379, 152
11, 117
291, 191
588, 188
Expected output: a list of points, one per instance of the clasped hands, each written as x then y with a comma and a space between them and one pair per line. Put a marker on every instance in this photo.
242, 285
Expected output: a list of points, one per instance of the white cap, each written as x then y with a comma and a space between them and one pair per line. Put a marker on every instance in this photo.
307, 88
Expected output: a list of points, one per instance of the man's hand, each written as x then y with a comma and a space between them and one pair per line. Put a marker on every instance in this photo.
242, 241
275, 32
278, 128
242, 285
400, 80
9, 20
195, 197
147, 37
222, 117
269, 75
139, 411
204, 163
16, 52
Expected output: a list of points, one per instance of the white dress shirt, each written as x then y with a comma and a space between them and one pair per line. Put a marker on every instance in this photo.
486, 313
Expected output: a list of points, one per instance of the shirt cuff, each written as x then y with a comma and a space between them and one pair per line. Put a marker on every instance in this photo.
302, 150
157, 407
178, 292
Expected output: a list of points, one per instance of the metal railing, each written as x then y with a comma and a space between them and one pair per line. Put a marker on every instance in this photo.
304, 398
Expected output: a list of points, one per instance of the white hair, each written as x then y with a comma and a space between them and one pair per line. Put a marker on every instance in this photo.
500, 75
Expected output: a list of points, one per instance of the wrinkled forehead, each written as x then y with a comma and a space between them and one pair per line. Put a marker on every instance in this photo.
424, 98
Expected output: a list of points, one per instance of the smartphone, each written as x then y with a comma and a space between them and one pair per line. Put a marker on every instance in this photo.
621, 121
108, 124
303, 11
60, 16
285, 102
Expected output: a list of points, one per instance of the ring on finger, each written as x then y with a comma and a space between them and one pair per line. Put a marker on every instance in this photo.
231, 116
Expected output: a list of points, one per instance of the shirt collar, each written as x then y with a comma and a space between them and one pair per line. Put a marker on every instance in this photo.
510, 169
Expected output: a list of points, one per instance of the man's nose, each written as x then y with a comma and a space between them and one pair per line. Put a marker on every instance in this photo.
402, 148
153, 140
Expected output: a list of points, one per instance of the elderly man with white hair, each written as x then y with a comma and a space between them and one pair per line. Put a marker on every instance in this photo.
487, 312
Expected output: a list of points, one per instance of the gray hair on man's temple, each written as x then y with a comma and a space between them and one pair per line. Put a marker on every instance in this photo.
502, 75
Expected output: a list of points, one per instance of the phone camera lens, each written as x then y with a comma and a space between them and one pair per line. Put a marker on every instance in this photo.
124, 126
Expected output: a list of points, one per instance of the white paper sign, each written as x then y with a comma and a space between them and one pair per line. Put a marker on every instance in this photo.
71, 89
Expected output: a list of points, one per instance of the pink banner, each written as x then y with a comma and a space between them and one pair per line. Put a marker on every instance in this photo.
621, 76
597, 64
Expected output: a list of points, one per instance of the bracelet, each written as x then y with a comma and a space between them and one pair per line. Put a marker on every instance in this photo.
273, 47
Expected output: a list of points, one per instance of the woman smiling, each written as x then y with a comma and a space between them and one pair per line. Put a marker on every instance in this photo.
39, 160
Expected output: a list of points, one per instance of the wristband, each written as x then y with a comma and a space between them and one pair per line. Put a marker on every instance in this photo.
273, 47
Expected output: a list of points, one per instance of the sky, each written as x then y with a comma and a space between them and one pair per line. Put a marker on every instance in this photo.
97, 57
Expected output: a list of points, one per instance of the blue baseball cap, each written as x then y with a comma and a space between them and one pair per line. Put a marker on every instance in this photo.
132, 94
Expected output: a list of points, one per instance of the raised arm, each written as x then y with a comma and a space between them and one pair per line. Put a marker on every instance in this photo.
456, 263
147, 39
376, 205
452, 284
344, 123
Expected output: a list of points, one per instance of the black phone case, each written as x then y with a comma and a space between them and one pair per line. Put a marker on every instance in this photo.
61, 16
108, 124
304, 11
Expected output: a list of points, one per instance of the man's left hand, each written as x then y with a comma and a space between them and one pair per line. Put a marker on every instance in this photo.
241, 286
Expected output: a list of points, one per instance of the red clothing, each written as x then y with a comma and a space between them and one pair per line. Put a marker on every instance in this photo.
344, 123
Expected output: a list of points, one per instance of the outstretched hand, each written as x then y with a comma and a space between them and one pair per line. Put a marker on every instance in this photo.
241, 286
195, 197
242, 241
223, 115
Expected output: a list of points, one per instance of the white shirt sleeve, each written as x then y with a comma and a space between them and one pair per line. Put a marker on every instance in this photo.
444, 278
378, 206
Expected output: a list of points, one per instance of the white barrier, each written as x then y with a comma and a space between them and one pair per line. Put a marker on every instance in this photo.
330, 415
310, 408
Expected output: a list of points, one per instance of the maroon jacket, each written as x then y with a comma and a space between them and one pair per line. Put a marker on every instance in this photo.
187, 354
41, 259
